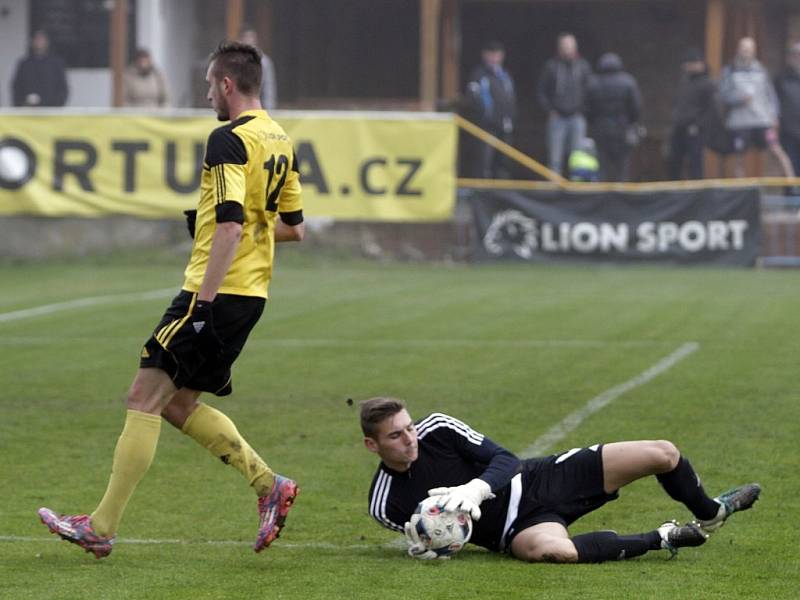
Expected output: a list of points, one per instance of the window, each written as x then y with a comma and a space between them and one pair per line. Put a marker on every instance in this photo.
79, 30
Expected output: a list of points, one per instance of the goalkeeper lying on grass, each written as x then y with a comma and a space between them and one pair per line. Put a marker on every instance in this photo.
524, 507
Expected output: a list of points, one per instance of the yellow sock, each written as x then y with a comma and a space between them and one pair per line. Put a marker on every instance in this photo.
135, 450
213, 430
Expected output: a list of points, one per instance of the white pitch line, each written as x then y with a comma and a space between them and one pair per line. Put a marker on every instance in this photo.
572, 421
167, 542
452, 342
48, 309
370, 343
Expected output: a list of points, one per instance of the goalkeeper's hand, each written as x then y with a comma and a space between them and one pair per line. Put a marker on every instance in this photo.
465, 497
202, 323
416, 547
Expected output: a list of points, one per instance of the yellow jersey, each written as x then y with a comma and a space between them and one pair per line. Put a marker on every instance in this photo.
250, 175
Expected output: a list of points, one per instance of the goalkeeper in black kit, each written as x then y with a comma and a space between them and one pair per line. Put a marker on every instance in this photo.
524, 507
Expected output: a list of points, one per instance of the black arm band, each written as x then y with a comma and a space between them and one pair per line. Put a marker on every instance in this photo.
230, 211
292, 218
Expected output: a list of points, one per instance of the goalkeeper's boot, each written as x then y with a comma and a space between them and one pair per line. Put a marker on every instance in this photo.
272, 511
78, 530
739, 498
674, 536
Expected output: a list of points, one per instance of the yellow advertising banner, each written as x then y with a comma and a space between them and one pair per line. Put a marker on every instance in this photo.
353, 166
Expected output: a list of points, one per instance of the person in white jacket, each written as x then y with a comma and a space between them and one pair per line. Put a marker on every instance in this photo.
752, 107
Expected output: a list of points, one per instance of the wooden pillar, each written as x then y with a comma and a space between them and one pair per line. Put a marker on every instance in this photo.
713, 163
234, 14
451, 49
715, 35
263, 25
429, 11
118, 49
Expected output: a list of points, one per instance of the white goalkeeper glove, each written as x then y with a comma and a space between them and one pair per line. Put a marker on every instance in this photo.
465, 497
416, 547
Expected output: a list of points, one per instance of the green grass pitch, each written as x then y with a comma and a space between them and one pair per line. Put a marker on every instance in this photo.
511, 350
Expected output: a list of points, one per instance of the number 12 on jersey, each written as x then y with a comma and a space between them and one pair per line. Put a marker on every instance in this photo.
277, 169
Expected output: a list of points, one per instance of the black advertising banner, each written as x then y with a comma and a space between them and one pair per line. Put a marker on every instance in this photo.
700, 226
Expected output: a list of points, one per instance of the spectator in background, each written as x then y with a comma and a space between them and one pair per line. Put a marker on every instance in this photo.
269, 87
492, 102
787, 86
752, 119
40, 78
613, 107
145, 86
561, 90
695, 100
583, 164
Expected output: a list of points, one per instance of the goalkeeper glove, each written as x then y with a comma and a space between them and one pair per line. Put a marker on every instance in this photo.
465, 497
416, 547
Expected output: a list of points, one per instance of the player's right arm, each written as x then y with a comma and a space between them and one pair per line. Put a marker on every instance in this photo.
226, 156
223, 249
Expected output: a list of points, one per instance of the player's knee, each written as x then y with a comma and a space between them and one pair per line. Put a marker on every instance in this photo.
665, 456
555, 550
139, 399
135, 396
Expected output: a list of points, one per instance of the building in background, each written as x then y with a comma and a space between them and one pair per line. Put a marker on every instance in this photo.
408, 54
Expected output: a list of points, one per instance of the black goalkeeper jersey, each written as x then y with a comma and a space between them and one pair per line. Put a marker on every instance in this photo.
450, 454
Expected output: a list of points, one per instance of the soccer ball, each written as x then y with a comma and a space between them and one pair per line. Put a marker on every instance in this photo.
443, 531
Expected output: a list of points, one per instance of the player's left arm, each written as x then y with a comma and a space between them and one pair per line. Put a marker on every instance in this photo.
289, 233
501, 464
290, 226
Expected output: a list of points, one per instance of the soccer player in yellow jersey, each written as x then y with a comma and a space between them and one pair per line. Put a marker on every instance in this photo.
249, 199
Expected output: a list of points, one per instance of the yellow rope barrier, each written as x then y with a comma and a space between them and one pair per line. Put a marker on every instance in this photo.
508, 150
556, 181
654, 186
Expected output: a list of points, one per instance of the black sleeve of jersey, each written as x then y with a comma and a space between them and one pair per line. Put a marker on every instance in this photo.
229, 211
292, 218
498, 464
225, 147
501, 465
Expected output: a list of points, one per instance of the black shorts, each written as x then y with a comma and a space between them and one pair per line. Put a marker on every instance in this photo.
756, 137
560, 489
234, 318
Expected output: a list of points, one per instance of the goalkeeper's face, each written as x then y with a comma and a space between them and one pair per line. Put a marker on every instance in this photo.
395, 441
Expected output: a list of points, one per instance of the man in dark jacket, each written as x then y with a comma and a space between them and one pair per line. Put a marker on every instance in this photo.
695, 100
40, 78
492, 103
613, 106
787, 86
561, 90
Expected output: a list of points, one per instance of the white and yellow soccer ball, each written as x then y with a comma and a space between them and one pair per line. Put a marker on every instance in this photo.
443, 531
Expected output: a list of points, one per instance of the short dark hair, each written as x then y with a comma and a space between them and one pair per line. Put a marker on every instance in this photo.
240, 62
693, 54
494, 46
375, 410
